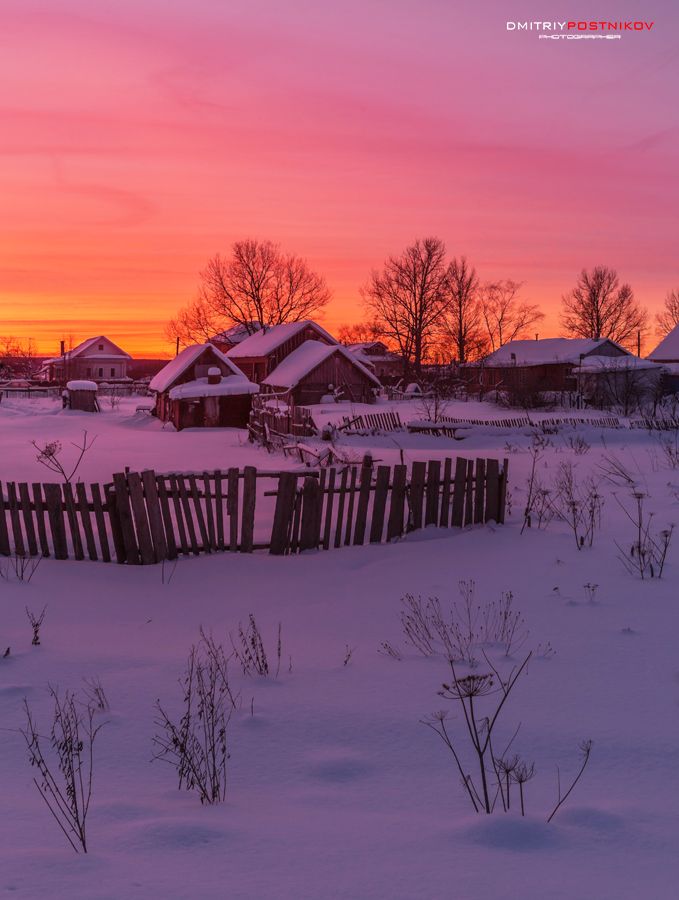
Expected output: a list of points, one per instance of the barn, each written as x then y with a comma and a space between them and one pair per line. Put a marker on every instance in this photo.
258, 355
201, 387
315, 370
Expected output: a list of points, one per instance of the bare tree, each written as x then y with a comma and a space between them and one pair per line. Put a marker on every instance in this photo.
462, 324
359, 333
407, 298
505, 316
256, 286
600, 307
18, 358
668, 319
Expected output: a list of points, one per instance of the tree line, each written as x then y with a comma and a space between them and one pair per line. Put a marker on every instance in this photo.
422, 303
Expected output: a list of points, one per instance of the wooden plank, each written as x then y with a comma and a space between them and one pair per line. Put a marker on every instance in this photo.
479, 490
469, 494
492, 490
283, 514
445, 493
311, 497
431, 514
209, 507
153, 510
340, 506
398, 499
329, 502
322, 477
502, 492
350, 510
83, 508
219, 511
417, 481
232, 509
114, 522
15, 519
55, 516
27, 513
379, 504
249, 501
198, 509
188, 518
72, 517
457, 514
168, 525
4, 530
141, 521
178, 515
100, 521
39, 518
125, 520
296, 521
363, 502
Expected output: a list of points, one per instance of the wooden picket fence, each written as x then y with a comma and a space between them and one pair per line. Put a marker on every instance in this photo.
370, 422
144, 518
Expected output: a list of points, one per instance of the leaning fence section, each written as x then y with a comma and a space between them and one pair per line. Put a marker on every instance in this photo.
140, 518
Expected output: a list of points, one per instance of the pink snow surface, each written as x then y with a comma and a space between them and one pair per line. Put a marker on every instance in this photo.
335, 788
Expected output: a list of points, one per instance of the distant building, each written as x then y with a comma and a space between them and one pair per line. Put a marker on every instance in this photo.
667, 350
385, 364
201, 387
315, 370
259, 354
96, 359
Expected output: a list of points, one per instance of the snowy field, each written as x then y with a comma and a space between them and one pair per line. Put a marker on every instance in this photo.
335, 788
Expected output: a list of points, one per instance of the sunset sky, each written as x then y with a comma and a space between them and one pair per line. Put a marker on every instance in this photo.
140, 137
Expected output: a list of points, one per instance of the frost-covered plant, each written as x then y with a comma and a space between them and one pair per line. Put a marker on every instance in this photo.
195, 745
249, 650
465, 628
36, 622
48, 456
647, 552
66, 769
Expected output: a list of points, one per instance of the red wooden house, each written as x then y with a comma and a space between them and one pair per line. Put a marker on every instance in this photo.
259, 354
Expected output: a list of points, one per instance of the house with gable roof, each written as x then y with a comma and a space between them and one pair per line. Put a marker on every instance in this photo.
96, 359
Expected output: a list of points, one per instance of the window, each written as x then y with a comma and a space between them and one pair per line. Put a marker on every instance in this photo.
101, 346
89, 372
101, 373
113, 372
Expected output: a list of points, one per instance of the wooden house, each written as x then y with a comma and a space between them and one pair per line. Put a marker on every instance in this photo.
201, 387
385, 364
315, 370
231, 337
258, 355
525, 368
96, 359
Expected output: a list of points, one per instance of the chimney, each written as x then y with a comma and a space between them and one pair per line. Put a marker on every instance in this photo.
62, 348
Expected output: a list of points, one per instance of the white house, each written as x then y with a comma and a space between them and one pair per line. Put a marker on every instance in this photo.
96, 359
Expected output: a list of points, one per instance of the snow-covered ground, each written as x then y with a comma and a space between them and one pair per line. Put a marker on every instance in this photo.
336, 790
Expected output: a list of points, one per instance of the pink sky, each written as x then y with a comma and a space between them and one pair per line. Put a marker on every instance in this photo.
139, 138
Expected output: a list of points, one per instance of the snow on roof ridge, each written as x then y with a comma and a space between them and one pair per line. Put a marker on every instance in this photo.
84, 345
668, 348
305, 359
545, 350
267, 339
169, 373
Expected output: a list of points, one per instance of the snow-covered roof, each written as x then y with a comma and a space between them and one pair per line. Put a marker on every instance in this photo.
305, 359
668, 348
545, 351
625, 363
82, 348
229, 385
190, 355
81, 385
263, 342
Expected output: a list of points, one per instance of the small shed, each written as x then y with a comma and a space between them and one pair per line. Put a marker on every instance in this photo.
81, 395
201, 388
315, 369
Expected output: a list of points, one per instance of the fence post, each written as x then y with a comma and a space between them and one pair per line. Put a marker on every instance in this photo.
124, 513
282, 517
312, 498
